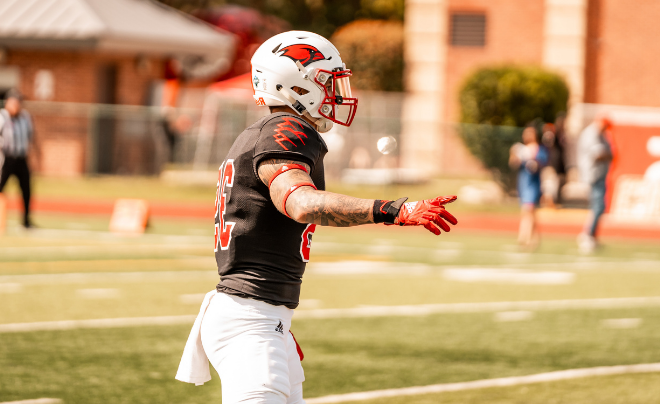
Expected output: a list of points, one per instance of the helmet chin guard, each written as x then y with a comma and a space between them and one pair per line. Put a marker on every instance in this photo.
338, 105
324, 125
304, 71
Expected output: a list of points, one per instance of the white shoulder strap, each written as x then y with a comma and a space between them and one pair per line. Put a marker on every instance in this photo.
4, 116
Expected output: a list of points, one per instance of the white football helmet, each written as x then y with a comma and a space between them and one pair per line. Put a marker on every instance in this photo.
304, 71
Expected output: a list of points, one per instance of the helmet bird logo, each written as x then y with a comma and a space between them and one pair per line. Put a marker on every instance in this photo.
305, 54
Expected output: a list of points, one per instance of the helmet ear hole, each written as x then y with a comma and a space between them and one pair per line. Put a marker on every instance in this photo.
299, 90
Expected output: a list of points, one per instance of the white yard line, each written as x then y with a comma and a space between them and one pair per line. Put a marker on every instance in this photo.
98, 323
105, 236
373, 311
36, 401
87, 277
534, 305
386, 249
480, 384
13, 253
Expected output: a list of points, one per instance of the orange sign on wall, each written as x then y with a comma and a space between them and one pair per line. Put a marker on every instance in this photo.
635, 199
632, 154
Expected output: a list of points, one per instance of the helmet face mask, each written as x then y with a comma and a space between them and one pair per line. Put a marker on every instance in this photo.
338, 105
304, 71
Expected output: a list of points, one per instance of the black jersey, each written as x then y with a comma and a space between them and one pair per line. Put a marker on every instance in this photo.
261, 253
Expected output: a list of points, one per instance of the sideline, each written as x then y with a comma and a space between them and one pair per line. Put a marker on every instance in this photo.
36, 401
371, 311
97, 323
128, 277
557, 223
480, 384
426, 309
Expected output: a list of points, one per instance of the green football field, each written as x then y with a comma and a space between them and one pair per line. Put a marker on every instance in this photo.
71, 269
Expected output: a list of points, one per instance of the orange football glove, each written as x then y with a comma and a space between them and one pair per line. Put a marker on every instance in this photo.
428, 213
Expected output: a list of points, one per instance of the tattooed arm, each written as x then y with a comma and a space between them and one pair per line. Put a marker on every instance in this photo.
307, 205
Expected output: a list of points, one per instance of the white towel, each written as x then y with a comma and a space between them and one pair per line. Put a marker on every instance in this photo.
194, 366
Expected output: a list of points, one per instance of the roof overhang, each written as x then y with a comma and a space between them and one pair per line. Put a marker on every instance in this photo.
127, 26
49, 43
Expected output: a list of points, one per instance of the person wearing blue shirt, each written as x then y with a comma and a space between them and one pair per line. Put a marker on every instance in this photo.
528, 158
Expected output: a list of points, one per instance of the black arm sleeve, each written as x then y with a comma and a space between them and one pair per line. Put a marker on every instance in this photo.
287, 136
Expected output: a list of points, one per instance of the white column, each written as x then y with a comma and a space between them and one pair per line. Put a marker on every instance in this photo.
425, 54
564, 48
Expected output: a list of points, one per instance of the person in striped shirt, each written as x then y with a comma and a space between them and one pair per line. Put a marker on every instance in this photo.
16, 135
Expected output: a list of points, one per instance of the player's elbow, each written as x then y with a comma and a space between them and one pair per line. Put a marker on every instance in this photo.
299, 216
297, 213
300, 207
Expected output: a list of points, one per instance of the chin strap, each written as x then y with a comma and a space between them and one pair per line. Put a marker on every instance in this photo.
324, 125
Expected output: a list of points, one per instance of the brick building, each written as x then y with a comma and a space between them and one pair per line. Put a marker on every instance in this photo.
66, 56
606, 50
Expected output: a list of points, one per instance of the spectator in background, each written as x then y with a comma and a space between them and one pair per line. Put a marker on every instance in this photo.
16, 133
528, 157
554, 175
173, 128
594, 157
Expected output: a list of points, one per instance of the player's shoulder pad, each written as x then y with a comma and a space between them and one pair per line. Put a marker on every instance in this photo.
286, 135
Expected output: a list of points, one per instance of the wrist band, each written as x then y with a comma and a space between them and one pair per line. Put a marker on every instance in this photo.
286, 168
387, 211
293, 188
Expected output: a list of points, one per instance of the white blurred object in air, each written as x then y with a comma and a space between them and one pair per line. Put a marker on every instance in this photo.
653, 147
386, 144
485, 192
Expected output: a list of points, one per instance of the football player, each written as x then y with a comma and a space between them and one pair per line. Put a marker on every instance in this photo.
270, 198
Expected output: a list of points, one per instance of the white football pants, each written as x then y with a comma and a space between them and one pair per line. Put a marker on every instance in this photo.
249, 344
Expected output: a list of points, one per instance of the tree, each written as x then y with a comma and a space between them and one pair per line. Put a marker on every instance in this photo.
187, 6
373, 50
320, 16
496, 102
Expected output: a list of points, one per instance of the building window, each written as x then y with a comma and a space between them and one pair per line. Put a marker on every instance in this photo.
468, 29
44, 85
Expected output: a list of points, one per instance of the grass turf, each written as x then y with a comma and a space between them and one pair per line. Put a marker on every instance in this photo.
620, 389
342, 355
613, 273
137, 365
159, 294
